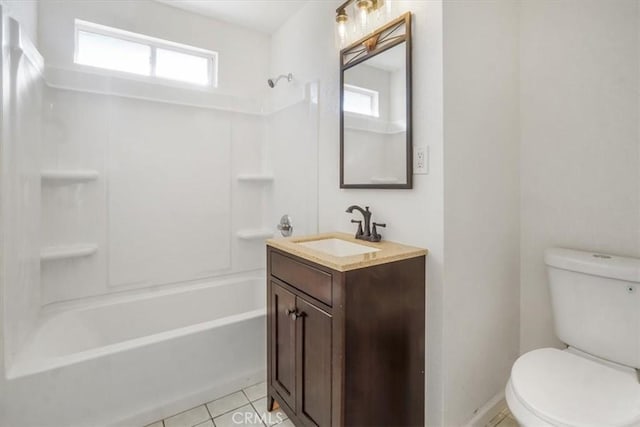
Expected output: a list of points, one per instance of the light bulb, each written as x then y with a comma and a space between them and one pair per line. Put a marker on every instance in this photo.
341, 29
341, 35
363, 7
362, 20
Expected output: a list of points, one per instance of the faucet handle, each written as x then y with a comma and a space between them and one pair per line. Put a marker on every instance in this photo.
375, 237
359, 222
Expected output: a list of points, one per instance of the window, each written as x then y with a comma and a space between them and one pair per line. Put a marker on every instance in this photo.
360, 101
123, 51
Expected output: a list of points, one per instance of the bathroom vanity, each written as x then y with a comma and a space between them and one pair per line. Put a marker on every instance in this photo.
346, 331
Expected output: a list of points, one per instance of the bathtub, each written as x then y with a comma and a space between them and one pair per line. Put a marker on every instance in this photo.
136, 358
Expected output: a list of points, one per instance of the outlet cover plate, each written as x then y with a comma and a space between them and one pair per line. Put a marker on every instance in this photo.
421, 160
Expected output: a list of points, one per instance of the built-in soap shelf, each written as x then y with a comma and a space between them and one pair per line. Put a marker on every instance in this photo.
68, 176
257, 178
67, 252
255, 234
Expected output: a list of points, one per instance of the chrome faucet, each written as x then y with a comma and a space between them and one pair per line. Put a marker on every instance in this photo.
365, 233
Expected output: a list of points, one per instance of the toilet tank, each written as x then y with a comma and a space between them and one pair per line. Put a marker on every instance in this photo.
596, 303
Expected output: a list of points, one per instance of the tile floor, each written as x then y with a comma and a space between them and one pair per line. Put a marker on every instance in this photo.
503, 419
247, 407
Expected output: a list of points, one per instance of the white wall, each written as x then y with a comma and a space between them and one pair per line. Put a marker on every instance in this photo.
467, 214
305, 46
26, 13
481, 202
580, 151
243, 53
293, 155
559, 82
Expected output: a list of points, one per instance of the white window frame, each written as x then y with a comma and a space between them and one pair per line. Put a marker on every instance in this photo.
153, 43
373, 95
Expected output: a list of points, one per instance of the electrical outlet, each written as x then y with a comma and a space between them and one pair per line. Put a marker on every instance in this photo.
421, 160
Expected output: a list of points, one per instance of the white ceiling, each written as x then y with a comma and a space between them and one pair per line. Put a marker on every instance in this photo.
262, 15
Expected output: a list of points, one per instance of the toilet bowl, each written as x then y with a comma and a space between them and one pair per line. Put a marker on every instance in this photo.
594, 382
551, 387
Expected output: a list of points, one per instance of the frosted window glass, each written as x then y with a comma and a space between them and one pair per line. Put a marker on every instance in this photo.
102, 51
182, 66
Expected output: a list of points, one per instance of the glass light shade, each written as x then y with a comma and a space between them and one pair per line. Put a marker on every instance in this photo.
342, 20
389, 8
363, 20
341, 34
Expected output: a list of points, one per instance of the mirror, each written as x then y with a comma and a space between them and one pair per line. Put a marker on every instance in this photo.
375, 109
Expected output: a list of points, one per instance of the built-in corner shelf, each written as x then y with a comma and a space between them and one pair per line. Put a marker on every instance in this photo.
68, 252
68, 176
258, 178
255, 234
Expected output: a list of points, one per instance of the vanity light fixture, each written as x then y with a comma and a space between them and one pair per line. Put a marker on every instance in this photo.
341, 27
368, 15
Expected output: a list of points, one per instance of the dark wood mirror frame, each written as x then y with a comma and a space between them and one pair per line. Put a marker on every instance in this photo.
373, 44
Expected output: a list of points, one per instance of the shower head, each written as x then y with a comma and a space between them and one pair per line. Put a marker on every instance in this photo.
274, 81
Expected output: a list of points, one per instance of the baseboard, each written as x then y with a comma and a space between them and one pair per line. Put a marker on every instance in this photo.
488, 411
165, 409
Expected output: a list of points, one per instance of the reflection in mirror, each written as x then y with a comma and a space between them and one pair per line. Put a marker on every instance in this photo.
376, 109
375, 127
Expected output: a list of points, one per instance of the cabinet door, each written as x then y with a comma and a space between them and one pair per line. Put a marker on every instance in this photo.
283, 337
314, 365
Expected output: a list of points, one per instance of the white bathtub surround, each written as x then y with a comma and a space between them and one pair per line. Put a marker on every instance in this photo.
216, 150
20, 185
139, 357
138, 261
118, 137
246, 407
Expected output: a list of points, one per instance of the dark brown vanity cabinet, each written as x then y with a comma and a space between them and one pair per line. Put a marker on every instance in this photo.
346, 348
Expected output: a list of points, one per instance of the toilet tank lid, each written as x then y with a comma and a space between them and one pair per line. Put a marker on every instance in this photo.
594, 263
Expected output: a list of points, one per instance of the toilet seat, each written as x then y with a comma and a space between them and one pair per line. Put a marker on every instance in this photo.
566, 389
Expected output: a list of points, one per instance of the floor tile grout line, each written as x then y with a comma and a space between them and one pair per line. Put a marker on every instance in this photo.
258, 413
230, 410
206, 406
267, 412
211, 417
187, 410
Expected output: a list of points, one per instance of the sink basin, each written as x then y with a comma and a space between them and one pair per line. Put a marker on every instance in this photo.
338, 247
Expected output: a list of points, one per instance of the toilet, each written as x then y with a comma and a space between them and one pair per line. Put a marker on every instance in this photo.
594, 382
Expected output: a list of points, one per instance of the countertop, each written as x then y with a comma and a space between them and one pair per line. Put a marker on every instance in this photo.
389, 251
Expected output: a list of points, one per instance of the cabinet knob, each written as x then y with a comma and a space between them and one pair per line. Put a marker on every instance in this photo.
293, 313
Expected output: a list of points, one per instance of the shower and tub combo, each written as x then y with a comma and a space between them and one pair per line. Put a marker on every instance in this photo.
134, 216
